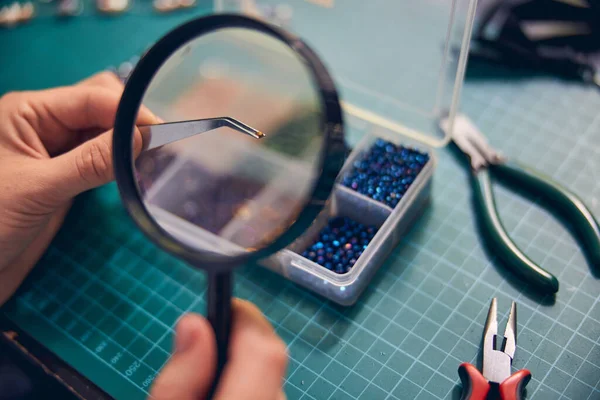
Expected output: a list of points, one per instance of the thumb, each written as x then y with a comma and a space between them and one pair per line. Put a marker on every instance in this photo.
87, 166
190, 371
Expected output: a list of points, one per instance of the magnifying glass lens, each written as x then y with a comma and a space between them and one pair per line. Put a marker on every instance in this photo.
238, 147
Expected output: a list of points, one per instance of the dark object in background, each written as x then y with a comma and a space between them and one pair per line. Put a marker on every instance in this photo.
29, 371
559, 37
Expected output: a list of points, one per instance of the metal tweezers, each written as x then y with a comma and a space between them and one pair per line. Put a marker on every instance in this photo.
160, 134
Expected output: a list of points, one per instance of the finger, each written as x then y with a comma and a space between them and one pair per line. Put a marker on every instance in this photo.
76, 108
147, 117
85, 167
246, 313
253, 343
104, 79
71, 109
58, 115
111, 81
189, 373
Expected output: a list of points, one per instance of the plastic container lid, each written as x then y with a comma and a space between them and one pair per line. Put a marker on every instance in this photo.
398, 64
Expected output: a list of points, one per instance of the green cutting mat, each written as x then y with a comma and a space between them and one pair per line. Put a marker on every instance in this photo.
105, 300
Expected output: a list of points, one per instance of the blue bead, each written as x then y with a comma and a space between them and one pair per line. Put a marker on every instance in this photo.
319, 245
341, 253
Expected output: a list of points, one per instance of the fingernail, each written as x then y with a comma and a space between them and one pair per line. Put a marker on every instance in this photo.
184, 336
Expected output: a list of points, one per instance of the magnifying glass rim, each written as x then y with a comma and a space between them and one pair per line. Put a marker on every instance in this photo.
330, 162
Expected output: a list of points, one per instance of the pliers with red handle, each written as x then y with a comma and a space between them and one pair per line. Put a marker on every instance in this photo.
496, 363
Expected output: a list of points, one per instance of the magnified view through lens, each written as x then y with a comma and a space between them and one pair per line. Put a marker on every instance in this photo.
239, 151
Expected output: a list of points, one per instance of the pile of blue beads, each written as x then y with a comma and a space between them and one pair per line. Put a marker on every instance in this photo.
340, 244
204, 198
385, 172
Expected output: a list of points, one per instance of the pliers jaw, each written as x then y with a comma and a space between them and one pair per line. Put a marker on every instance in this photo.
497, 362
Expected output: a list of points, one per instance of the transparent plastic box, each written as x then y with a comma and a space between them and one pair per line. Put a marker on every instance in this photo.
391, 225
399, 66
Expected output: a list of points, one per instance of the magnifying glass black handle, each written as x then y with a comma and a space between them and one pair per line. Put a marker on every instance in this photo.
220, 291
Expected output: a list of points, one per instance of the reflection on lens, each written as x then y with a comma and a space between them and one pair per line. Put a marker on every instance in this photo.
221, 189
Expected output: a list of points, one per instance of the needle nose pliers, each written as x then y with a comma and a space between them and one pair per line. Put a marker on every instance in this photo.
496, 362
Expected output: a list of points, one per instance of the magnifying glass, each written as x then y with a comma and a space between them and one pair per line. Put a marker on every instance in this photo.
246, 148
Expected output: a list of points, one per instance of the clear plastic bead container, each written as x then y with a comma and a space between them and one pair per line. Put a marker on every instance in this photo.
391, 224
